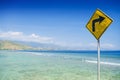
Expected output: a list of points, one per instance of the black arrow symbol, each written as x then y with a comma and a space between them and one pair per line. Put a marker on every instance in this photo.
100, 19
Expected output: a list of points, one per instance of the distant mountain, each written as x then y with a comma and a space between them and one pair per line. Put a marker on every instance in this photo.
43, 46
10, 45
21, 45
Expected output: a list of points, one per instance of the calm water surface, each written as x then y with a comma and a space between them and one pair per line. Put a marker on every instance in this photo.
58, 65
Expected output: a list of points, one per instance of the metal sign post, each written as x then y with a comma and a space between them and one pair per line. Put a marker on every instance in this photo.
98, 59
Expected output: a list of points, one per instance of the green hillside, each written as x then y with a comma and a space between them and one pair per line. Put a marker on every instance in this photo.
10, 45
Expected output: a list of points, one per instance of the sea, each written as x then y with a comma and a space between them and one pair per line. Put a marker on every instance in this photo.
58, 65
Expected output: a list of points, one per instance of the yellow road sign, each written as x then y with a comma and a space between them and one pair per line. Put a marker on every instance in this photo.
98, 23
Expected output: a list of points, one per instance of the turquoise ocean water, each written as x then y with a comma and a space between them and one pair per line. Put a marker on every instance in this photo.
58, 65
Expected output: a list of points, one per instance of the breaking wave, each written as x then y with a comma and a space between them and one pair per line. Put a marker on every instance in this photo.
105, 63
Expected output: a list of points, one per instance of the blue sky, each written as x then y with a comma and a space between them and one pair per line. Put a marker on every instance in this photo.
60, 22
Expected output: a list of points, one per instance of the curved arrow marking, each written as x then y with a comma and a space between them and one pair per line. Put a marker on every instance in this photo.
100, 19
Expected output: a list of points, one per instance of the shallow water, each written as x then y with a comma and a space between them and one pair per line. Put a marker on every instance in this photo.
23, 65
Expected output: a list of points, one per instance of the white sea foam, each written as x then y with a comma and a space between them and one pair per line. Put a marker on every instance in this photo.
42, 54
106, 63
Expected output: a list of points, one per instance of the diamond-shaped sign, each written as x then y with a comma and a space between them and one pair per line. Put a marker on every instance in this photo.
98, 23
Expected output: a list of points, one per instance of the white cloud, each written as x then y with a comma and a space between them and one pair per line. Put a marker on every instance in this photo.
20, 36
108, 46
103, 46
15, 33
92, 45
7, 34
86, 46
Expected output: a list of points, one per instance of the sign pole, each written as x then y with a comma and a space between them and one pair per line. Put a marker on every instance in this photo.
98, 65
